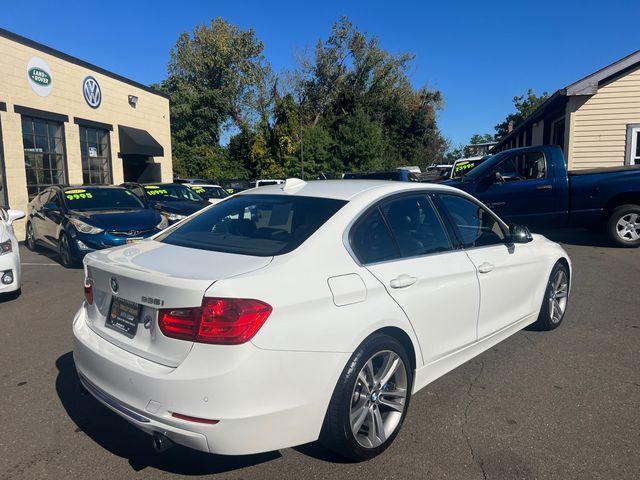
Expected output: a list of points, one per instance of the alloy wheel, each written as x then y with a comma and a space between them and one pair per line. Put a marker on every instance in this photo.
31, 241
628, 227
558, 293
65, 254
379, 399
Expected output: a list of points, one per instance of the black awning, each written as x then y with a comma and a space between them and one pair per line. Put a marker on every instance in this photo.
134, 141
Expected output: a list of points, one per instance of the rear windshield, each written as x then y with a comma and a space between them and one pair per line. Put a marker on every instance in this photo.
101, 199
210, 192
171, 192
258, 225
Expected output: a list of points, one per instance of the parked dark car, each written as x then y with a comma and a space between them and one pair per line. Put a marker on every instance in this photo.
74, 221
174, 201
532, 186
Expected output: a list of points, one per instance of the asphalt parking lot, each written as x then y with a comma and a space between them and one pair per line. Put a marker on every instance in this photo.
563, 404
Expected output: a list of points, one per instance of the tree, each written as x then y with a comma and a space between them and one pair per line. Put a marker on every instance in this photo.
525, 106
357, 92
217, 78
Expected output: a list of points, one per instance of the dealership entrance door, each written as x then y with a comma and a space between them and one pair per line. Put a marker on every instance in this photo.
137, 149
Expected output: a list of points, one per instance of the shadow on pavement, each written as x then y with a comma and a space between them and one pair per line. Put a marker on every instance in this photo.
121, 438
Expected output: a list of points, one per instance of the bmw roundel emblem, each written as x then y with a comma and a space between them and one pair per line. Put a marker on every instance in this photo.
91, 91
114, 285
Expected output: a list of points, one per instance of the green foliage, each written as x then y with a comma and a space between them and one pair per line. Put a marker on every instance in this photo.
348, 107
525, 106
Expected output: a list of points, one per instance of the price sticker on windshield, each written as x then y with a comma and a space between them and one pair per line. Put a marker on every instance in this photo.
199, 190
77, 195
464, 166
159, 191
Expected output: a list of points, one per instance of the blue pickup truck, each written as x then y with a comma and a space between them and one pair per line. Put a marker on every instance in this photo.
532, 186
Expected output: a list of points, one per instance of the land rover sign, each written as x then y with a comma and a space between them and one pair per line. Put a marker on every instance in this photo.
39, 76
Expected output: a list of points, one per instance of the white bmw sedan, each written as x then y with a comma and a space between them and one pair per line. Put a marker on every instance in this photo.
307, 311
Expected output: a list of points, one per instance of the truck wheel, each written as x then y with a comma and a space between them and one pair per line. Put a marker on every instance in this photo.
624, 226
370, 400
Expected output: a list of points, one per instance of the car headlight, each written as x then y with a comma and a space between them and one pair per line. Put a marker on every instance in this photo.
173, 217
85, 227
5, 247
164, 223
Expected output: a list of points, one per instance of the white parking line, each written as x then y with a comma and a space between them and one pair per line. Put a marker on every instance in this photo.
41, 264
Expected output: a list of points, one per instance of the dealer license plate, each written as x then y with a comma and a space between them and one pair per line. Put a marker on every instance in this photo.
123, 317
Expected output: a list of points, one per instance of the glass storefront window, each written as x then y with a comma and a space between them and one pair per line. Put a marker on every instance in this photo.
44, 155
96, 158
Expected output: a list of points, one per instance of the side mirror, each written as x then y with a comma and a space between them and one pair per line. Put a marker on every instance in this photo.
54, 207
14, 215
520, 234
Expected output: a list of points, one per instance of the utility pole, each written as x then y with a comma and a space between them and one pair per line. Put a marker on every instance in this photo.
301, 149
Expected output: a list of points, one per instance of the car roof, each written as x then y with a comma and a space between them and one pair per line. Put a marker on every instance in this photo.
200, 185
343, 189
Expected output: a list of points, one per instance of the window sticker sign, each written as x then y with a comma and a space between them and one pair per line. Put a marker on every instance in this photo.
93, 152
39, 76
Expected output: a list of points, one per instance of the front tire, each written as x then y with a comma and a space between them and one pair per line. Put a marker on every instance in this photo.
30, 238
370, 401
64, 251
556, 298
623, 226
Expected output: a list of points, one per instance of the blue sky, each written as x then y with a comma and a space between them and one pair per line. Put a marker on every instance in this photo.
479, 54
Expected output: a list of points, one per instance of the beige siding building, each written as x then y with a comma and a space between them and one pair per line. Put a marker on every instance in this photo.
63, 120
595, 120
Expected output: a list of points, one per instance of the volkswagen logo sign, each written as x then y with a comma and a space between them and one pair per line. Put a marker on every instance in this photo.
91, 91
114, 285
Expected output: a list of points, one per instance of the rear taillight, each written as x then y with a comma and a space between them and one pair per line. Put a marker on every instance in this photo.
88, 291
227, 321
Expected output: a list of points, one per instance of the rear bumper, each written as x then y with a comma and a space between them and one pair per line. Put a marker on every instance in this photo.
264, 400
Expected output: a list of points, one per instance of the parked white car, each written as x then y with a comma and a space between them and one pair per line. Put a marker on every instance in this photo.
307, 310
9, 253
210, 192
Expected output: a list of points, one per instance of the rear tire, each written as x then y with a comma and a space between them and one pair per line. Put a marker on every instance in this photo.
370, 401
556, 299
623, 226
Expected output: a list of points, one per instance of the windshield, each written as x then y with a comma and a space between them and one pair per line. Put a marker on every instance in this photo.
481, 169
171, 193
258, 225
463, 167
101, 199
210, 192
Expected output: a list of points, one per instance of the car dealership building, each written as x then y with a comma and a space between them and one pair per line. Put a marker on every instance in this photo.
65, 121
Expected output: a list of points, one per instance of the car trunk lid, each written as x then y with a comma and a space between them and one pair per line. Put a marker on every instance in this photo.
132, 283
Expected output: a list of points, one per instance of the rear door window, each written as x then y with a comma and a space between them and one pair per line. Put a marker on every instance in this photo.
371, 240
259, 225
416, 226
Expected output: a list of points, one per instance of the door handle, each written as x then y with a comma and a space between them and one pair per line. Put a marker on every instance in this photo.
485, 267
544, 187
403, 281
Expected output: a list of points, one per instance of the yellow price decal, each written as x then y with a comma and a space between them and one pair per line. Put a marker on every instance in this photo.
199, 190
78, 196
160, 191
150, 187
74, 191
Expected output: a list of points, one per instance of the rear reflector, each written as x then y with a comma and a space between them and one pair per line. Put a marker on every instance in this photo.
194, 419
224, 321
88, 291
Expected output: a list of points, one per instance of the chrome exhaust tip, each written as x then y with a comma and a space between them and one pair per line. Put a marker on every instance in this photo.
161, 442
